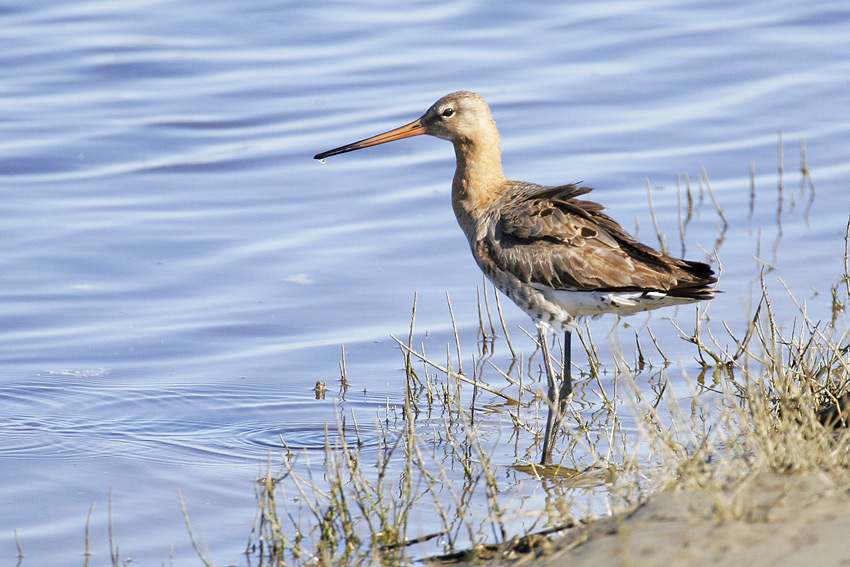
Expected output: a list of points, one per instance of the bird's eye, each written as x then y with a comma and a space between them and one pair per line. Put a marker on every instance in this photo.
448, 112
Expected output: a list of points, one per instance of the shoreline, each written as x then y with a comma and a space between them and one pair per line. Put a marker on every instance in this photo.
770, 519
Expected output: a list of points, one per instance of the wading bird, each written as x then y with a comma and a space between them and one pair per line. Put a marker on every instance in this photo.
556, 256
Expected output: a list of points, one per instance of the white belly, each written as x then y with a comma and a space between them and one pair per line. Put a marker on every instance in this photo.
560, 309
593, 303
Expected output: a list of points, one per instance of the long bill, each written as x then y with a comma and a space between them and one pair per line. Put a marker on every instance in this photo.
415, 128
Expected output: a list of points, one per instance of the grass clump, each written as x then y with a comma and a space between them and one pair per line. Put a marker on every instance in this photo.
781, 406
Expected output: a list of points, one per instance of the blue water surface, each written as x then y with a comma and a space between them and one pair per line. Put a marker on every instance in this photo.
177, 272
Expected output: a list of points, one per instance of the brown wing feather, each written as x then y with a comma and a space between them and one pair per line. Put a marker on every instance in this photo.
545, 235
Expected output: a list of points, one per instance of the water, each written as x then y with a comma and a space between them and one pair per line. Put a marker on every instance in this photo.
177, 273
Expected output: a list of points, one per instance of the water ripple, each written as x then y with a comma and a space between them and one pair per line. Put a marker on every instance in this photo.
165, 425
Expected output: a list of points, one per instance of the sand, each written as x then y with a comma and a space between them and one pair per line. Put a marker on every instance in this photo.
771, 520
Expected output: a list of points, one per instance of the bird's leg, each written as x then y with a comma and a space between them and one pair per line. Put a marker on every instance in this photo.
553, 420
567, 383
558, 397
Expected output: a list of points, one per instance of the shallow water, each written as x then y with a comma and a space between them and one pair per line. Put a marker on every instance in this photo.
177, 273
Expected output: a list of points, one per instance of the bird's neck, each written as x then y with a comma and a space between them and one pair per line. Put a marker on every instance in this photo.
478, 181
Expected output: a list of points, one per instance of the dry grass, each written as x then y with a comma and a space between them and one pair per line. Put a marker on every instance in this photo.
759, 413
